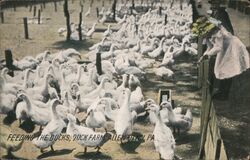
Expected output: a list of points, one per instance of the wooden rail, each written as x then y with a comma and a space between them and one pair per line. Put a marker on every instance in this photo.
211, 144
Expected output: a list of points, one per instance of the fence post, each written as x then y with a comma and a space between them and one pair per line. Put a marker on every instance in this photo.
114, 7
97, 12
44, 5
55, 4
39, 16
136, 28
41, 7
81, 7
80, 26
14, 6
2, 17
66, 14
133, 4
34, 11
26, 32
171, 4
9, 62
98, 63
166, 19
181, 4
30, 8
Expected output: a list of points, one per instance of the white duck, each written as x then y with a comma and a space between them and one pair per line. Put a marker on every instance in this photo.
133, 82
108, 32
75, 130
168, 58
148, 48
75, 78
82, 104
99, 91
152, 108
124, 120
181, 122
7, 87
40, 93
163, 139
135, 71
88, 12
136, 96
53, 129
104, 18
96, 119
158, 51
7, 103
40, 115
91, 31
121, 21
164, 72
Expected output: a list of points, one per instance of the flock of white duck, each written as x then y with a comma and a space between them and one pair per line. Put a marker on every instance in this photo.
53, 89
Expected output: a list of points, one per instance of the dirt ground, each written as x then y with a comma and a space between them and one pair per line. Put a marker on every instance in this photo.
45, 37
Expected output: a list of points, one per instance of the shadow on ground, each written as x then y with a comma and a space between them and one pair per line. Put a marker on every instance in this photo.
78, 45
55, 153
92, 155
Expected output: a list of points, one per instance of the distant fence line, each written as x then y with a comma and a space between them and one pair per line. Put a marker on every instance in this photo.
15, 3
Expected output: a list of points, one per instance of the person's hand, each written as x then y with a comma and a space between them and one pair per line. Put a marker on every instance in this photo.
201, 58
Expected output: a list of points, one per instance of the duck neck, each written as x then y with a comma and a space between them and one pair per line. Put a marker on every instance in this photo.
102, 84
171, 116
124, 81
90, 81
126, 101
45, 84
63, 79
93, 27
66, 100
3, 74
26, 76
45, 56
79, 73
37, 73
28, 102
161, 44
55, 114
158, 117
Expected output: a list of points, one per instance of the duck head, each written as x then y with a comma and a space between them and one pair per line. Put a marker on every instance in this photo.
90, 112
21, 95
71, 118
4, 71
148, 102
153, 108
166, 104
55, 102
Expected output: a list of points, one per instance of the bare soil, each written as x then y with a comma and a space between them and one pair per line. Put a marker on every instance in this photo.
45, 37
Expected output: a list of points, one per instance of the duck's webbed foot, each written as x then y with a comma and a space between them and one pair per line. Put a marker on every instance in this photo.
85, 150
41, 150
159, 156
41, 129
98, 149
52, 149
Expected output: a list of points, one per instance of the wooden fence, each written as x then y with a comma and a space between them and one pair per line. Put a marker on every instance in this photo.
211, 144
